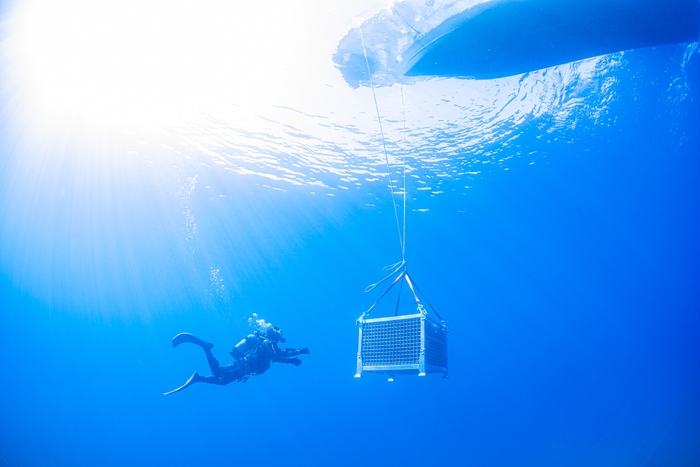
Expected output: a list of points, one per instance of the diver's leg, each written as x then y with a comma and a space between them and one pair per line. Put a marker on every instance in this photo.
213, 380
195, 378
233, 372
214, 365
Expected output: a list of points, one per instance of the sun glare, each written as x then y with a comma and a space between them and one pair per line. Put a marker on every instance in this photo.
146, 62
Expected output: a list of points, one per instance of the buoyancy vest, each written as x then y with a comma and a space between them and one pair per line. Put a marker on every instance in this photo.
258, 358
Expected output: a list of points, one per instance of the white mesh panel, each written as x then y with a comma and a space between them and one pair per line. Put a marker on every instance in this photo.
395, 342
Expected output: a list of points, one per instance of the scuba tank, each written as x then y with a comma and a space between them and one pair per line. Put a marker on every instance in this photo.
247, 344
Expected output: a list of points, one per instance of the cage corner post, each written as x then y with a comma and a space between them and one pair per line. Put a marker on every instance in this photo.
421, 358
358, 371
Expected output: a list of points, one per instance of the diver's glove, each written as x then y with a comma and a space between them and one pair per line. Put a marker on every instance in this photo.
304, 351
295, 361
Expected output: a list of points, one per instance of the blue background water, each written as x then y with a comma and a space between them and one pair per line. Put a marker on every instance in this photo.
569, 282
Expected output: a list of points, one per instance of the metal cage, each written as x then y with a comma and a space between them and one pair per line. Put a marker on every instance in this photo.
402, 345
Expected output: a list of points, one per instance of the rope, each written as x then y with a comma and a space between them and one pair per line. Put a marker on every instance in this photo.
366, 313
398, 300
427, 301
394, 267
411, 284
403, 251
386, 154
401, 265
415, 297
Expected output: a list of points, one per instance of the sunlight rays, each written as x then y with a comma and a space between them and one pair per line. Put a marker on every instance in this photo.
148, 62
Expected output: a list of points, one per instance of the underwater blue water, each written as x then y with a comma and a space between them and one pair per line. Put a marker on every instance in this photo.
569, 282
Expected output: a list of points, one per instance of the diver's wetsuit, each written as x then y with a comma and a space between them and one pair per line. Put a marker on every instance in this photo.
252, 356
223, 375
255, 361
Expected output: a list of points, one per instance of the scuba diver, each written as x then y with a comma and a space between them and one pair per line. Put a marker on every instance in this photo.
251, 356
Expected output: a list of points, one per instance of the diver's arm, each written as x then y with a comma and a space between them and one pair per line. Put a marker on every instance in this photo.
289, 352
294, 361
281, 355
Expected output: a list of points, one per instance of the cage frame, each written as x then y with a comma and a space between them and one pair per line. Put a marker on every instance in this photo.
423, 365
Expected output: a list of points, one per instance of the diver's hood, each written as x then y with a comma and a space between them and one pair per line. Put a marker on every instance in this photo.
274, 334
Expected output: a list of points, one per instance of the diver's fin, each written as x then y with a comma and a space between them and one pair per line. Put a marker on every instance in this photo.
192, 339
193, 379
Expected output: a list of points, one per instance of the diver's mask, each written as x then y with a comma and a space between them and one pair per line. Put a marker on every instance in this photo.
275, 334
